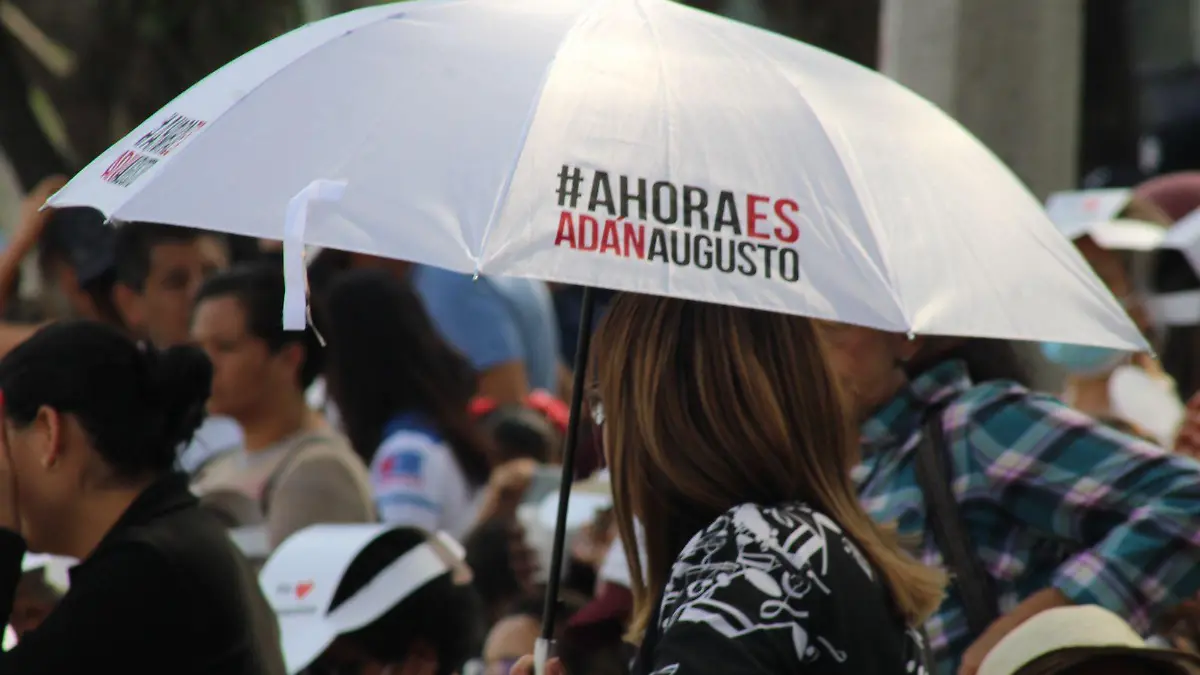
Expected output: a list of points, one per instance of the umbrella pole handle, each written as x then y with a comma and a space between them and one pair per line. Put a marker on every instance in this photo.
582, 347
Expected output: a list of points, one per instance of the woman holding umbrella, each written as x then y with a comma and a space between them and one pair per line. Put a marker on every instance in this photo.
726, 438
90, 425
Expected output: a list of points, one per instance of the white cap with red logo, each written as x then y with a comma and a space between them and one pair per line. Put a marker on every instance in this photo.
303, 574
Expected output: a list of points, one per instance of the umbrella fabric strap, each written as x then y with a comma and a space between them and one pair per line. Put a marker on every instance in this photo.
296, 313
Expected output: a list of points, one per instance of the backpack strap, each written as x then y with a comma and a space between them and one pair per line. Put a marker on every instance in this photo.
289, 460
950, 533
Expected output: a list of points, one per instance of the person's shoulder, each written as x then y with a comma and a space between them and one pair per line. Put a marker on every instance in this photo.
170, 549
758, 573
1009, 412
793, 535
321, 450
217, 473
409, 455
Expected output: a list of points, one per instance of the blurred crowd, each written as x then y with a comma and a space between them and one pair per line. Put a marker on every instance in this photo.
423, 409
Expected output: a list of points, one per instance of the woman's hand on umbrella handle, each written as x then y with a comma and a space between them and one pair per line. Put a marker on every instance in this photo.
526, 667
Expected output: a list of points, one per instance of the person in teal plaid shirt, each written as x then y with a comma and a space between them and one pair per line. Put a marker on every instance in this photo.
1059, 509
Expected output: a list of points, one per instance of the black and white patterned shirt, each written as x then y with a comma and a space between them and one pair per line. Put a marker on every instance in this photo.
777, 590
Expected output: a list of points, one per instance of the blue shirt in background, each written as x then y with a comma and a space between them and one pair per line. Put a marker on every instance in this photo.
494, 320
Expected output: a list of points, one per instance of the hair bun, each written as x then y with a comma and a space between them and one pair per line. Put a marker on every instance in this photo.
181, 381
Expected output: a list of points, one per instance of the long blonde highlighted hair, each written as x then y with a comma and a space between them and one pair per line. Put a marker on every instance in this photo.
707, 407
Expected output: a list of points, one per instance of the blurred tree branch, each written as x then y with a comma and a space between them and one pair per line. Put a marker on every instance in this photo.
29, 150
848, 28
1109, 136
133, 57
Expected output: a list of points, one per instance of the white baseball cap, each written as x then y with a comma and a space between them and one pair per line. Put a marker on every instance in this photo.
1078, 212
1067, 636
1094, 213
304, 572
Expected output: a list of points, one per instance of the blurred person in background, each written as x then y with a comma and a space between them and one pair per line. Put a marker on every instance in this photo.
503, 564
504, 326
1015, 461
518, 431
513, 636
727, 441
1095, 375
91, 422
140, 277
160, 269
403, 395
415, 611
75, 263
293, 469
1175, 281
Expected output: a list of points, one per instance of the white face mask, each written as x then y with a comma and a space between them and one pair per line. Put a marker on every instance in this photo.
1148, 402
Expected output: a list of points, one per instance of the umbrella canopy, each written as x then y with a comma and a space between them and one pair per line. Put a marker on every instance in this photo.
630, 144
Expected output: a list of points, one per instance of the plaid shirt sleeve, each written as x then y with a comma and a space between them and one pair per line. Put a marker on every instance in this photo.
1131, 510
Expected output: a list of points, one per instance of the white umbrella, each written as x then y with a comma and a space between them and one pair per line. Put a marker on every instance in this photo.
637, 145
633, 144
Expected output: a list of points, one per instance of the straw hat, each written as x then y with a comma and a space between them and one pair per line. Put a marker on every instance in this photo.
1057, 639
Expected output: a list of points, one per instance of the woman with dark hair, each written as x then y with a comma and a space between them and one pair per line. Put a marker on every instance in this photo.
404, 398
91, 423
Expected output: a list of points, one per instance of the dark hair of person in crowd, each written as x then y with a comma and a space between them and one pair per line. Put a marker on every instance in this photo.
56, 247
259, 289
385, 358
518, 432
135, 245
442, 616
707, 407
137, 405
488, 553
1181, 344
987, 360
325, 267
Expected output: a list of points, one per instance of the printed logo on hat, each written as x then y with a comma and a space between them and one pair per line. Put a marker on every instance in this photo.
303, 574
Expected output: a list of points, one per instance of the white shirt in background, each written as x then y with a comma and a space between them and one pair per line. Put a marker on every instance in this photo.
417, 482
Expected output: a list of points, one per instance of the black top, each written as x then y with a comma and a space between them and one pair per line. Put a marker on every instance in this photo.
166, 591
776, 590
